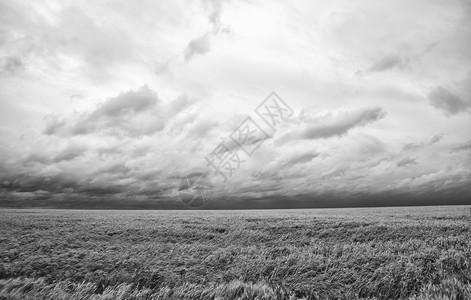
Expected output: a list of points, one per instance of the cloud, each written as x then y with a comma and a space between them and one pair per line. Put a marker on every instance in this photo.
300, 158
202, 128
463, 146
448, 102
133, 113
197, 47
400, 61
50, 36
69, 153
215, 12
11, 65
202, 45
137, 144
331, 125
35, 158
125, 103
387, 63
414, 146
435, 139
406, 161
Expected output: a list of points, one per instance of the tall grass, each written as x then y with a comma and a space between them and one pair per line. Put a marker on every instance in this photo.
421, 253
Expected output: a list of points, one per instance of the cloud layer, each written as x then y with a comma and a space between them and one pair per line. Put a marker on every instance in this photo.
110, 105
338, 124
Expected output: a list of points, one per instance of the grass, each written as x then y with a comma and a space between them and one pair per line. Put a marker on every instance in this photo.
388, 253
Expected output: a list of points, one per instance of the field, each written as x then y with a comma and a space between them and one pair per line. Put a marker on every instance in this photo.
376, 253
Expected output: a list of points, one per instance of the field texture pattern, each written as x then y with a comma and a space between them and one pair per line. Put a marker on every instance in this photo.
387, 253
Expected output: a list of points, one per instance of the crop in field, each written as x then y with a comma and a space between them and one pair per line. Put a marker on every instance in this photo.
388, 253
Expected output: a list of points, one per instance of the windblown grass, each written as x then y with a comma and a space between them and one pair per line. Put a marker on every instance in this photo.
391, 253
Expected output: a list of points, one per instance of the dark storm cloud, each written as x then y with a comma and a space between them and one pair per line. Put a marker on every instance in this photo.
123, 152
125, 103
436, 139
116, 113
419, 145
79, 156
26, 182
35, 158
301, 158
71, 152
337, 125
133, 113
406, 161
448, 102
83, 201
115, 168
343, 124
90, 184
457, 195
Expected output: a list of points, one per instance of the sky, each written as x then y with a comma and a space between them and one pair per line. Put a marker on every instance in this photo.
112, 104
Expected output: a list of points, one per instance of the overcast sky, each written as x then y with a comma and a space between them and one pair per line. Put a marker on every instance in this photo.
110, 104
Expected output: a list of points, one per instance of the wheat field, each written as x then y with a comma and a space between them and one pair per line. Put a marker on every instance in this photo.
358, 253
